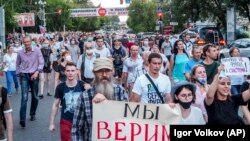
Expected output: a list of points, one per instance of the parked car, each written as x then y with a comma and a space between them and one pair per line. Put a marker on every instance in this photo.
243, 44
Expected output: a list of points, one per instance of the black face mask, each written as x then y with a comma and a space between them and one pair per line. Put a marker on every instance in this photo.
185, 105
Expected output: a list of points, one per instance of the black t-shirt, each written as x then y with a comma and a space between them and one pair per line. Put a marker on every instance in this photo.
68, 97
244, 87
225, 112
46, 56
211, 70
61, 70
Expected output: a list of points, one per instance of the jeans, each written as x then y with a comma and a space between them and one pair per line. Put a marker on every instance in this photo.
65, 129
26, 83
9, 76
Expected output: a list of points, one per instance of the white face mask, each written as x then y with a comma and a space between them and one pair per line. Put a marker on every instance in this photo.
89, 51
68, 58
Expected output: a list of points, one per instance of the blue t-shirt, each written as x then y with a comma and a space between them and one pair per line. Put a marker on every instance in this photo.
190, 64
68, 97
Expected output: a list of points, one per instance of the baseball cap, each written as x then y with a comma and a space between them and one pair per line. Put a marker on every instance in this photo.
183, 83
102, 63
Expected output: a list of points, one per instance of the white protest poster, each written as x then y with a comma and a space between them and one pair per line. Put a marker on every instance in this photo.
128, 121
236, 66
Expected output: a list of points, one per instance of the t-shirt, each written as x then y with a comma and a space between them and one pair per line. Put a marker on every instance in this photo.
190, 64
117, 55
129, 67
225, 112
244, 87
145, 89
188, 47
195, 117
74, 51
167, 47
104, 52
10, 61
46, 56
211, 71
7, 109
61, 70
68, 97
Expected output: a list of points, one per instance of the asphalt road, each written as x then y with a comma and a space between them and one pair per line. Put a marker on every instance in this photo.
35, 130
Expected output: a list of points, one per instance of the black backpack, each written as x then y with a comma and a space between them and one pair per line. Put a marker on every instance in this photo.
118, 55
3, 92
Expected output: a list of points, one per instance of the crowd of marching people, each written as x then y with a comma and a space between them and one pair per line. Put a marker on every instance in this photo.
90, 67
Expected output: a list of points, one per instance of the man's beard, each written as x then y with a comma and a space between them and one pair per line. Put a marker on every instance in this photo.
105, 88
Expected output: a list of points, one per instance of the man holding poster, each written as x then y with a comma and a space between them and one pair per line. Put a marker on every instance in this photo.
153, 87
82, 122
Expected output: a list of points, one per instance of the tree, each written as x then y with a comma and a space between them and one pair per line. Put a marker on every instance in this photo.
243, 7
194, 10
142, 16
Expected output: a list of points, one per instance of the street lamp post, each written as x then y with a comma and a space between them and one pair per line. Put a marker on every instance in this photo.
42, 11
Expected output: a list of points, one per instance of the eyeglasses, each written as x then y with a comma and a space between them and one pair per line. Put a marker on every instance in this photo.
101, 71
185, 96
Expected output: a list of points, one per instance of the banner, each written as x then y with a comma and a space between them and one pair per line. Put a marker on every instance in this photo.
95, 12
236, 66
113, 120
25, 19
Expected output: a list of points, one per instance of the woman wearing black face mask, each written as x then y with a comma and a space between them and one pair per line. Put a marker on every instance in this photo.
184, 95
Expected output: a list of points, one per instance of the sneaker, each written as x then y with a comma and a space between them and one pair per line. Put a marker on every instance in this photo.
22, 123
48, 94
40, 96
32, 118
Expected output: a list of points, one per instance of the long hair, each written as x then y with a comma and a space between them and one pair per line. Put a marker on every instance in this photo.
192, 74
175, 50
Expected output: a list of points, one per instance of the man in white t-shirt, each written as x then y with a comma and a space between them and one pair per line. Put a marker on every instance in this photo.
144, 91
101, 49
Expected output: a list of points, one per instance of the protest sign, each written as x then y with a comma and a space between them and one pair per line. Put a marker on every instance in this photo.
113, 120
236, 66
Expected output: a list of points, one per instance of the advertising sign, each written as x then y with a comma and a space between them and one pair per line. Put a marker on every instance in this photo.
25, 19
95, 12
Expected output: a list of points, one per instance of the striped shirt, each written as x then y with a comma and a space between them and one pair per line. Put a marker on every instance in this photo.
82, 122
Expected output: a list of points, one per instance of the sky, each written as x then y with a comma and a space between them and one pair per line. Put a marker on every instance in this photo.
110, 4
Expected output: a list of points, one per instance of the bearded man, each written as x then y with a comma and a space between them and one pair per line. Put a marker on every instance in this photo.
103, 85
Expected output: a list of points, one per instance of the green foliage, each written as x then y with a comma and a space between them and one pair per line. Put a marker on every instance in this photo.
241, 35
54, 22
142, 16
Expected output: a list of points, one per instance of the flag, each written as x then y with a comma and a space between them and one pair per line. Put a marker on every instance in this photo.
42, 29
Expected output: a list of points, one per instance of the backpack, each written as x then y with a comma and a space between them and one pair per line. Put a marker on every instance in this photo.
83, 64
118, 55
3, 92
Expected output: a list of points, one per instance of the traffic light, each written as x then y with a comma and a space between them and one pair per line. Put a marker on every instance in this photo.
121, 1
160, 16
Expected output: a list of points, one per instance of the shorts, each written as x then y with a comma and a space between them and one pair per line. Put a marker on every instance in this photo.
47, 70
